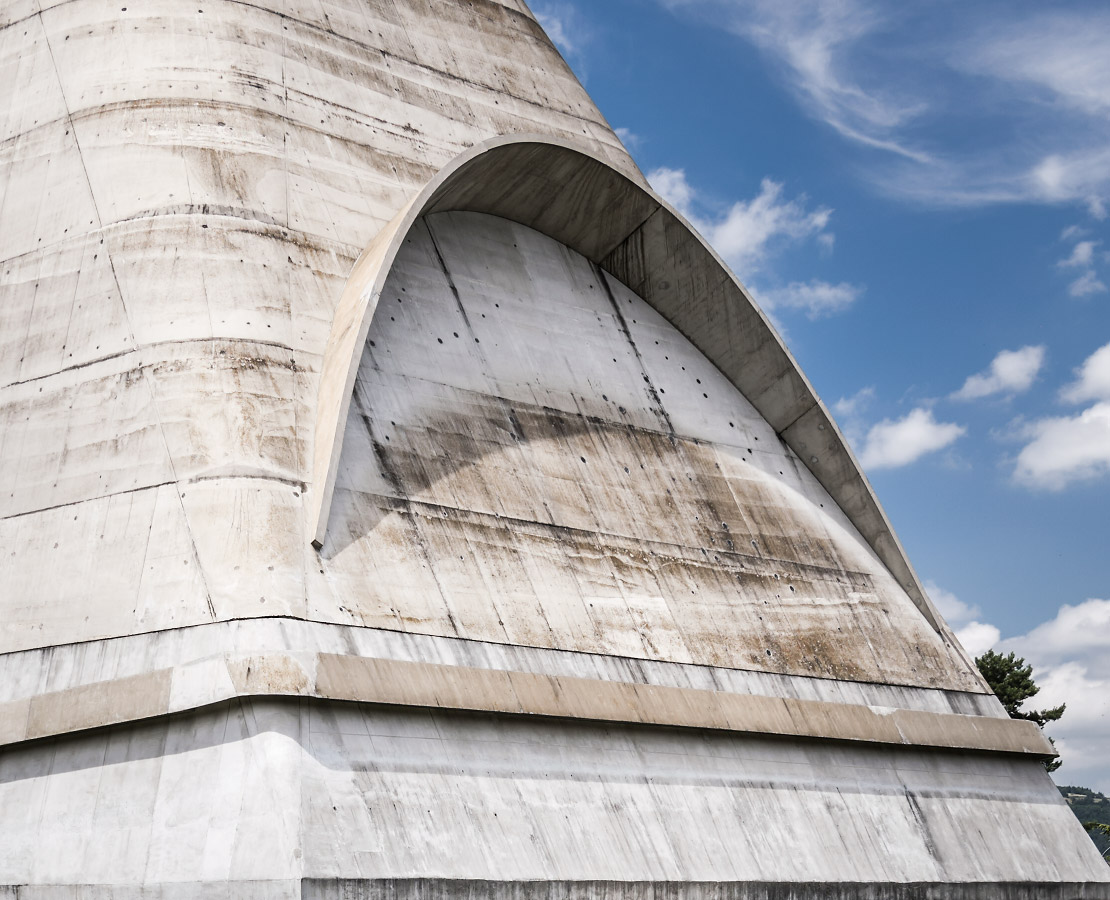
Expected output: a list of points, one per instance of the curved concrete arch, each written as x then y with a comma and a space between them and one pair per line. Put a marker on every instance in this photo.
576, 198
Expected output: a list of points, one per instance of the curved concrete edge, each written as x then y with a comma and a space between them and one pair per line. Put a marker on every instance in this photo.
330, 676
573, 196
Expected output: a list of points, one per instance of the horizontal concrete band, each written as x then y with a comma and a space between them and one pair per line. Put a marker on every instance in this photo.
459, 889
396, 682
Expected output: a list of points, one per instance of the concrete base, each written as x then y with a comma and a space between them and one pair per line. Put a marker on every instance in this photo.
297, 797
424, 889
437, 889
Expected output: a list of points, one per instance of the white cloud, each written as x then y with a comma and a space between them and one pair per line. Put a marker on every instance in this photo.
978, 637
627, 137
1062, 52
1086, 285
1082, 629
954, 610
1070, 655
742, 236
672, 186
747, 231
1066, 449
813, 42
894, 443
1011, 372
562, 24
1039, 75
1092, 379
856, 404
975, 636
815, 298
1081, 254
1072, 232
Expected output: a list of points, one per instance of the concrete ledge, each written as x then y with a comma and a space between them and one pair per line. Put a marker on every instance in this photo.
358, 679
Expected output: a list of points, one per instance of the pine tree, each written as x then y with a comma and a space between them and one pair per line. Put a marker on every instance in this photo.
1011, 679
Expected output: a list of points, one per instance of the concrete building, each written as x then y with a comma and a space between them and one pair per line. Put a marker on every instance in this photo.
398, 500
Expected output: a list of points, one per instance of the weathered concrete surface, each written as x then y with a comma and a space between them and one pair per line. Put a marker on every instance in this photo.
395, 682
630, 232
552, 510
571, 473
280, 791
183, 190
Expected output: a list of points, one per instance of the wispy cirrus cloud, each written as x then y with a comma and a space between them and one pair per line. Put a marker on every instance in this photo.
815, 44
885, 76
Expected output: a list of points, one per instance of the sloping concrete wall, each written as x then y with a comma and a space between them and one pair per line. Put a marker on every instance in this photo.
183, 190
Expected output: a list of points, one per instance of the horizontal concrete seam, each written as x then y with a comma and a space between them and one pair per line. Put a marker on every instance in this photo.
350, 251
548, 526
289, 619
346, 39
216, 339
194, 479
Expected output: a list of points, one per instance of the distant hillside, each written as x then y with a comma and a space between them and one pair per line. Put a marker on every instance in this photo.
1089, 806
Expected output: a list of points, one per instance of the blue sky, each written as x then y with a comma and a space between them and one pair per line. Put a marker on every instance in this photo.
919, 196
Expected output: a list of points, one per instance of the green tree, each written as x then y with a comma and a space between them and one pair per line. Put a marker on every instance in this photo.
1099, 828
1011, 679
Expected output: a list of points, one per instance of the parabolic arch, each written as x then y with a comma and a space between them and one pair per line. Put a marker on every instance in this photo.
572, 196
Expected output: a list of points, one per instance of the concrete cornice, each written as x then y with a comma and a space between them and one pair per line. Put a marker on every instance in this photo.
329, 676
